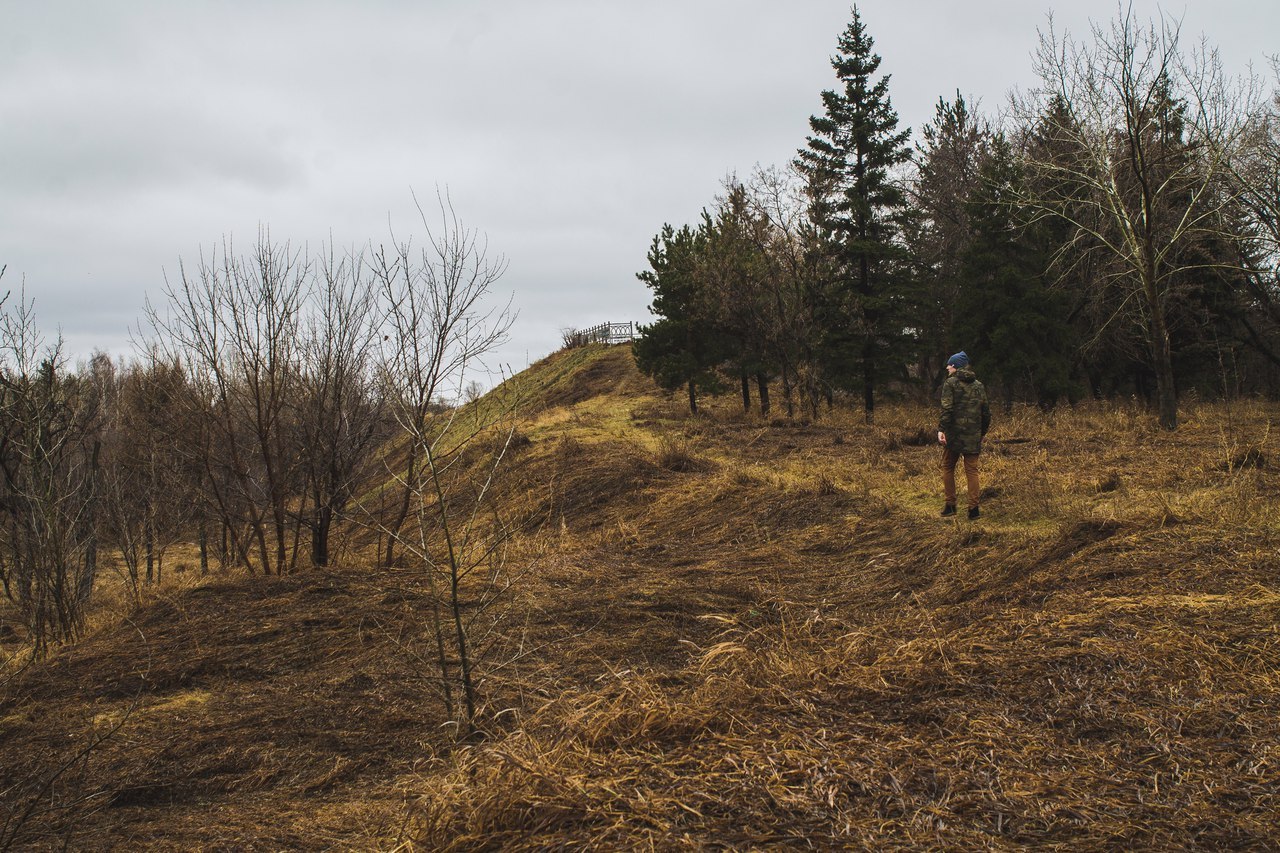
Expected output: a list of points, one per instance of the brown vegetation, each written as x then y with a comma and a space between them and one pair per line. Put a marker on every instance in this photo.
729, 632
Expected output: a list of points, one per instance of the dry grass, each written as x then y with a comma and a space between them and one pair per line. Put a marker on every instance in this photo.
735, 633
1020, 729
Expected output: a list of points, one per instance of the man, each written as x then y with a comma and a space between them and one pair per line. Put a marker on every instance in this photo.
964, 422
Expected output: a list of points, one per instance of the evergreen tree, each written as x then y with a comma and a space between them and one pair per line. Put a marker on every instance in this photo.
683, 347
740, 280
940, 232
1007, 309
849, 164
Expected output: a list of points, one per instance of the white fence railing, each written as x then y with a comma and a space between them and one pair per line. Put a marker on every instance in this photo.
605, 333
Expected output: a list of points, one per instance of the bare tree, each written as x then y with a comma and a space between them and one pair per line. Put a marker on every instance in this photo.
235, 323
150, 488
1150, 129
1256, 180
342, 408
438, 328
48, 481
800, 268
735, 277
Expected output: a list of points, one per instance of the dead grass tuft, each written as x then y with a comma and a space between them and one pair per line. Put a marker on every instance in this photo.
920, 437
827, 486
675, 453
1110, 483
569, 447
1251, 457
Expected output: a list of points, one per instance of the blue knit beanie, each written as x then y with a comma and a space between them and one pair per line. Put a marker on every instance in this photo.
959, 360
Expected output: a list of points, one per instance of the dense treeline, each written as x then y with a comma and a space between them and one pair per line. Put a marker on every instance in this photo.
1114, 233
283, 391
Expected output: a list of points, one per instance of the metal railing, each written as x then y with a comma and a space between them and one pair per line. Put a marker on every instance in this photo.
605, 333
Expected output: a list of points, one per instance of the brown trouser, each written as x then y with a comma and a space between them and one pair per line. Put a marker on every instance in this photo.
949, 460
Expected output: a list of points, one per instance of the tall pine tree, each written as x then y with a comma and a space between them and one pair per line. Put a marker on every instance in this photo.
849, 163
940, 231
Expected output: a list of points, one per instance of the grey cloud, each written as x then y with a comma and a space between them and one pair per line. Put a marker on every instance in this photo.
133, 133
55, 148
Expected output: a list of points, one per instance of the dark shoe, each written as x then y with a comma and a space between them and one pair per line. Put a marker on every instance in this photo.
948, 509
974, 512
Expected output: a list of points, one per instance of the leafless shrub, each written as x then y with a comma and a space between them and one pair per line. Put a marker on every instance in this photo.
572, 338
1249, 457
49, 481
438, 328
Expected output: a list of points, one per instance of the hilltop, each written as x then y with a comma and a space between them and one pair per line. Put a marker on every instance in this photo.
728, 631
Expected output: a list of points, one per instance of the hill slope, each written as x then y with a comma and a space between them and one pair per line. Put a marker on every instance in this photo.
733, 632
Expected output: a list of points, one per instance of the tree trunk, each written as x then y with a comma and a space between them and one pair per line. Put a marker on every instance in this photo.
260, 533
868, 383
762, 386
202, 534
868, 347
320, 536
282, 539
1166, 387
1161, 351
746, 393
693, 398
90, 574
296, 547
464, 654
403, 512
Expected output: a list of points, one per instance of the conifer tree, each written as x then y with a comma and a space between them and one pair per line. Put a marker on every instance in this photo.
739, 279
939, 231
683, 346
1008, 309
849, 163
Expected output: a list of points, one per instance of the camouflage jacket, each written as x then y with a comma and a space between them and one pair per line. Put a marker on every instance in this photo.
966, 417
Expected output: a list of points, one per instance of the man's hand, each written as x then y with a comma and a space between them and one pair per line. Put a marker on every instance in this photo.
942, 437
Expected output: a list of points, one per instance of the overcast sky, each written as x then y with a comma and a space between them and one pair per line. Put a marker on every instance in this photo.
134, 133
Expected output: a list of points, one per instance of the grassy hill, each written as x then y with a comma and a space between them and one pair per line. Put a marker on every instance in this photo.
727, 631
